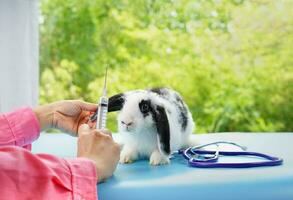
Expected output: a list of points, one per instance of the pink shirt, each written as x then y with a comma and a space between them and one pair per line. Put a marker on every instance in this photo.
24, 175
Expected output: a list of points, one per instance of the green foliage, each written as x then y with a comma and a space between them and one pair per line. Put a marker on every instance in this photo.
231, 60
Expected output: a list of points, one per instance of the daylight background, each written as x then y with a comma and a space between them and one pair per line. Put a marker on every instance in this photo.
231, 60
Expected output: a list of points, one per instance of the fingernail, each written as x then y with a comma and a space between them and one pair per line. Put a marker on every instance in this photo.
106, 132
83, 127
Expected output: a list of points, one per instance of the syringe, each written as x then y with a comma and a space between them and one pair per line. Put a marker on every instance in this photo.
103, 107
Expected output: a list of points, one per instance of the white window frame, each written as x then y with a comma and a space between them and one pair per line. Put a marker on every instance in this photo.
19, 54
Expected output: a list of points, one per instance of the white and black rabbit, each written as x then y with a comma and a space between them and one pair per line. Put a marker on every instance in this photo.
152, 124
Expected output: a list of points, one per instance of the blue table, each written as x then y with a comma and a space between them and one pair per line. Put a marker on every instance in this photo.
139, 181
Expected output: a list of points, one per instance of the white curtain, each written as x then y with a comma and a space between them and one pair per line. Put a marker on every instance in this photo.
19, 63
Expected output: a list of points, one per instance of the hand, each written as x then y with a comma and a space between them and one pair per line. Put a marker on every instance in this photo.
100, 148
65, 115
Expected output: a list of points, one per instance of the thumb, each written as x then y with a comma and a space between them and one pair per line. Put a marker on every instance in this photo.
83, 129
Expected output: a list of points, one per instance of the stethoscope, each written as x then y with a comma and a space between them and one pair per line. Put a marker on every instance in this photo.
197, 157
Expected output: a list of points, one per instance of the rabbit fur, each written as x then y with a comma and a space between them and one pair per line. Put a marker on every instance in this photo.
152, 123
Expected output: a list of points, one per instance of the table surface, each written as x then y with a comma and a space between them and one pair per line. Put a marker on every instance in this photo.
139, 181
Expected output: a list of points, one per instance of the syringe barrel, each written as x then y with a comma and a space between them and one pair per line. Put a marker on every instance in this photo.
102, 113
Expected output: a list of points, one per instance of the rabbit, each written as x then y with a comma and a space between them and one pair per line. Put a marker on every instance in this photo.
152, 123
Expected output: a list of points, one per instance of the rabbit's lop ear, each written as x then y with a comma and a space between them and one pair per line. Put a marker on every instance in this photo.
163, 129
116, 102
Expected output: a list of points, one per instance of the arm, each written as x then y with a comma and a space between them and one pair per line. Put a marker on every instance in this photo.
24, 175
19, 128
47, 175
22, 127
50, 177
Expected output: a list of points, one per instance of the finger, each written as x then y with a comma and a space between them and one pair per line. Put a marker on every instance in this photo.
94, 116
106, 132
91, 124
88, 106
84, 129
84, 117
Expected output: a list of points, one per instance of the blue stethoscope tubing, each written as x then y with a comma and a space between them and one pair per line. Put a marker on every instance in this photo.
197, 157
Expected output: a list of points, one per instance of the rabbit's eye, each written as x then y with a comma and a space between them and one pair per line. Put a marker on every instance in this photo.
145, 108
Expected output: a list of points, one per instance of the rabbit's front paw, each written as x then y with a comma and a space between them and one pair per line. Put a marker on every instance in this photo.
127, 155
158, 159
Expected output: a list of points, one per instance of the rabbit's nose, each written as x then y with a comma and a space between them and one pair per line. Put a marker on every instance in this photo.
127, 123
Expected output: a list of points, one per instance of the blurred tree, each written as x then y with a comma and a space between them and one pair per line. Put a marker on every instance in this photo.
231, 60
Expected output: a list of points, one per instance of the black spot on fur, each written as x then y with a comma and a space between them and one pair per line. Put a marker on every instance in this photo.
159, 91
162, 124
167, 94
183, 119
116, 102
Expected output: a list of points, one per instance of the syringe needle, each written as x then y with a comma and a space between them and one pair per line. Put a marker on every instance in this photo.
105, 82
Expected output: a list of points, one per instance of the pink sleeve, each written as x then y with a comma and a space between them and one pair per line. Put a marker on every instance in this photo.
24, 175
19, 128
